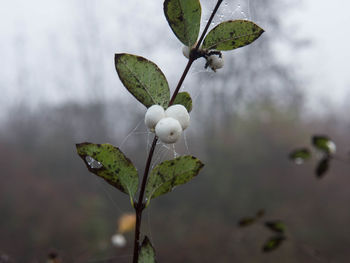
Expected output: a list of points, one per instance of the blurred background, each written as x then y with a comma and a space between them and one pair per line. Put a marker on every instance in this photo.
59, 87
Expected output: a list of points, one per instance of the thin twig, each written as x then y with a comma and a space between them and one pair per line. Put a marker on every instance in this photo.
140, 206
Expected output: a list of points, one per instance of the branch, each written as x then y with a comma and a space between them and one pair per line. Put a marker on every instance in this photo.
140, 206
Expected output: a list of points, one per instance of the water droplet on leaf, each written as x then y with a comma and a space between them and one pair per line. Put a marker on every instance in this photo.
93, 163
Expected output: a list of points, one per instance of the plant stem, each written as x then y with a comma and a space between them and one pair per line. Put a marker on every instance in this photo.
140, 206
194, 51
208, 24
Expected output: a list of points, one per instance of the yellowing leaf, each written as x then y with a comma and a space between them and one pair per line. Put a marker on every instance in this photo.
126, 223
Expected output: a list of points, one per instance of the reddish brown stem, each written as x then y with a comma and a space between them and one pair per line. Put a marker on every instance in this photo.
139, 206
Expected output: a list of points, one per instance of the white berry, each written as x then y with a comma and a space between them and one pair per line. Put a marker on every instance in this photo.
118, 240
168, 130
186, 51
153, 115
180, 113
215, 62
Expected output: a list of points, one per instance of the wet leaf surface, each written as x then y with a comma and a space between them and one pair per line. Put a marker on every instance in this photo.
184, 18
165, 176
109, 163
232, 34
143, 79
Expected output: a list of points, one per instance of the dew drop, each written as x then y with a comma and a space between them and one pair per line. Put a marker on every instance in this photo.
93, 163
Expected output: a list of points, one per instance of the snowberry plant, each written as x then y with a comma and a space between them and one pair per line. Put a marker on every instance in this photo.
167, 116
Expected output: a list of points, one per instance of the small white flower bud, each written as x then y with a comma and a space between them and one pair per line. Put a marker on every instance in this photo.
153, 115
118, 240
215, 62
168, 130
186, 51
180, 113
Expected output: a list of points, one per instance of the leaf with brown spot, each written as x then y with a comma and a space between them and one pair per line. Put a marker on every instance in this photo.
109, 163
184, 18
147, 252
232, 34
143, 79
165, 176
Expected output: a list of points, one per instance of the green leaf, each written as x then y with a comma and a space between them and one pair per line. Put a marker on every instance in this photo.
299, 156
273, 243
143, 79
323, 166
276, 226
324, 144
184, 17
165, 176
110, 163
231, 35
184, 99
147, 252
246, 221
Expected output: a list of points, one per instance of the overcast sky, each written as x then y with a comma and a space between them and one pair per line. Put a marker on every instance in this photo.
327, 62
39, 41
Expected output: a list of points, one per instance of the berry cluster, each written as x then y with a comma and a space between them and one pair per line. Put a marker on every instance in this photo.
214, 58
167, 124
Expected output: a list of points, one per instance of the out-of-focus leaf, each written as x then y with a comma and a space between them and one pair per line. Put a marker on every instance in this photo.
324, 144
126, 223
246, 221
299, 156
276, 226
273, 243
143, 79
111, 164
147, 252
184, 18
184, 99
322, 166
260, 213
232, 34
165, 176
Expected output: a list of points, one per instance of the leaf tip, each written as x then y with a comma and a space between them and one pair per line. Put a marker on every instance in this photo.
117, 56
146, 241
